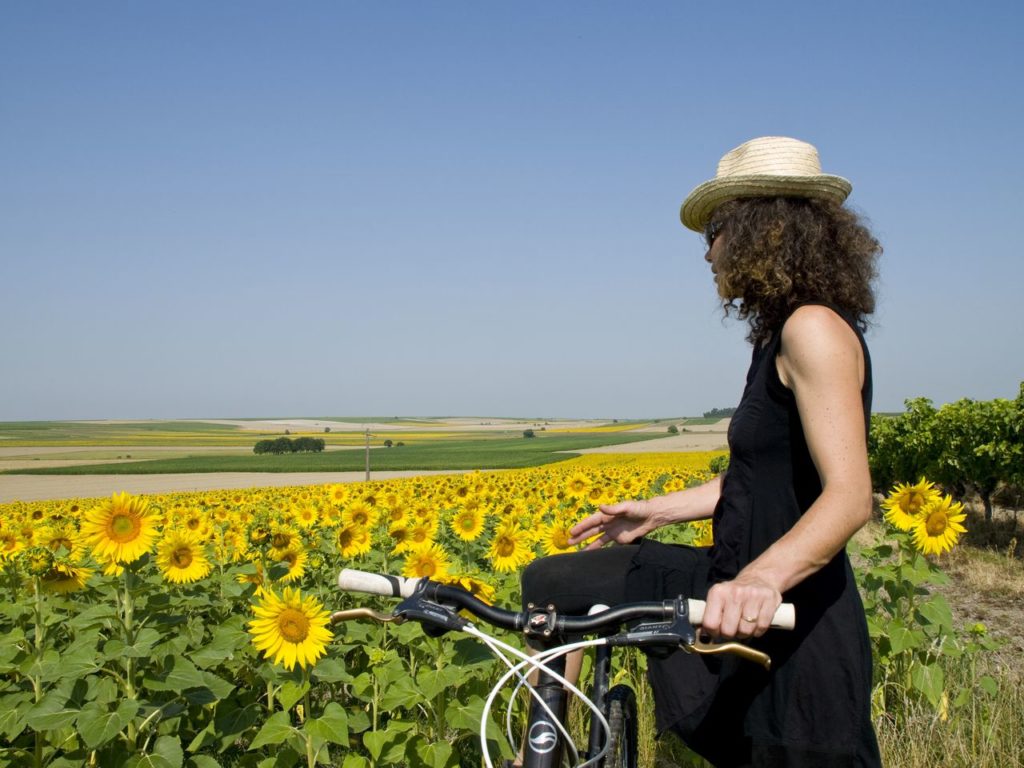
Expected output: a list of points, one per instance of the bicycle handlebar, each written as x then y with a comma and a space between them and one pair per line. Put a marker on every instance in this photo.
351, 580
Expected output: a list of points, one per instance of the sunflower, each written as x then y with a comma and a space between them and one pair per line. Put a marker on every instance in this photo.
10, 544
361, 513
577, 485
290, 629
428, 561
511, 548
307, 516
400, 538
468, 523
352, 540
60, 535
120, 530
295, 558
938, 526
554, 537
64, 577
905, 502
181, 557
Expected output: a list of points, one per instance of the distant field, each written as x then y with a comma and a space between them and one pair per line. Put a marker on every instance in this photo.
484, 452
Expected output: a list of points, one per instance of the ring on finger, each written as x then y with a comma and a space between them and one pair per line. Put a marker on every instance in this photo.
751, 619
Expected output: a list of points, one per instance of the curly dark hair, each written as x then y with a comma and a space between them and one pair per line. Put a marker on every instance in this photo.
781, 252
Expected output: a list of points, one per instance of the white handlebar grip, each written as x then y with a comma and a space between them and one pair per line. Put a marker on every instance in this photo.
785, 615
351, 580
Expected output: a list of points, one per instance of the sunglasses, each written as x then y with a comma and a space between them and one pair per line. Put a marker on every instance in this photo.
712, 231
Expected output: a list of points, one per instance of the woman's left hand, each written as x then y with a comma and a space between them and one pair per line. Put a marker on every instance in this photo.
741, 608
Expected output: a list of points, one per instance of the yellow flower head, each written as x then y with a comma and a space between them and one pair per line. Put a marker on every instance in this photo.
468, 523
290, 630
352, 540
120, 530
295, 558
181, 557
554, 537
939, 526
427, 561
511, 548
65, 577
903, 506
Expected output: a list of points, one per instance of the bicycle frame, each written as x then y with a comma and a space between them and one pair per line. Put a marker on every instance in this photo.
668, 624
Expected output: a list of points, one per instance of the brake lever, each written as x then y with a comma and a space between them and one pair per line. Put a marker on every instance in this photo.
743, 651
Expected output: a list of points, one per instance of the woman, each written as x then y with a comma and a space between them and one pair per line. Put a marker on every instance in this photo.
792, 261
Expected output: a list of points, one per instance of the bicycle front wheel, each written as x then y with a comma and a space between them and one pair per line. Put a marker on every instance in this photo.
621, 714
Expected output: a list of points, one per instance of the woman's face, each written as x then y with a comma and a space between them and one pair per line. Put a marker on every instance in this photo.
713, 256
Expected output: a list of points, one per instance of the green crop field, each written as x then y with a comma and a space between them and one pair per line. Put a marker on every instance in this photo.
484, 453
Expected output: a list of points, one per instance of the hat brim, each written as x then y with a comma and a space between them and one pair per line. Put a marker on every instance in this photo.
701, 203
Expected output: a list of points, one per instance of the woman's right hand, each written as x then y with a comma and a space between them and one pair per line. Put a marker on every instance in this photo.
622, 523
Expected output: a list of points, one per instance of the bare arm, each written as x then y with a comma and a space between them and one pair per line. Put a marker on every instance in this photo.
629, 520
821, 361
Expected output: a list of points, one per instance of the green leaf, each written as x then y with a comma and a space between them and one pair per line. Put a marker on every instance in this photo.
332, 726
232, 721
900, 638
435, 755
989, 685
937, 612
277, 728
166, 754
226, 641
201, 761
355, 761
51, 713
98, 725
929, 680
399, 694
290, 693
13, 708
331, 671
179, 673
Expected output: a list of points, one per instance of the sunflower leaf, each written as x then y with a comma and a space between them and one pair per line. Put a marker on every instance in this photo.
277, 729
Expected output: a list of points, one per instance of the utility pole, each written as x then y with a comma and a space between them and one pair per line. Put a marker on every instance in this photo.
367, 454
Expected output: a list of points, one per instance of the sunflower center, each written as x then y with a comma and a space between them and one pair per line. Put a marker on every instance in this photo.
505, 546
281, 541
345, 537
182, 557
936, 524
293, 624
914, 502
123, 528
427, 568
560, 539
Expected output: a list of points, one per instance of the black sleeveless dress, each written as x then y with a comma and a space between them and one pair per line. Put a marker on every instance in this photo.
813, 708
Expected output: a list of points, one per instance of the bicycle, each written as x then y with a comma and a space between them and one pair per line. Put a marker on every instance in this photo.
612, 738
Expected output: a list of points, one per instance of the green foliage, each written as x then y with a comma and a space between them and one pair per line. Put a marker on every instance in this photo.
719, 464
719, 413
911, 629
968, 445
673, 429
528, 433
284, 445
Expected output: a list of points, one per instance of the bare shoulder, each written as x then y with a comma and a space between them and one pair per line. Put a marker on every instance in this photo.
818, 342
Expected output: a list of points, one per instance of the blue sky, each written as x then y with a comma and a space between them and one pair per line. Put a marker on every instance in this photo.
454, 208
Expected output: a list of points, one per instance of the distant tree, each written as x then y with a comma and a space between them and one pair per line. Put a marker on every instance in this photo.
327, 429
719, 413
287, 431
673, 429
399, 444
528, 433
388, 443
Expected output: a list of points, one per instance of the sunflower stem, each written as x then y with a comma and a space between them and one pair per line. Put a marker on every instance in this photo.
306, 714
37, 684
129, 639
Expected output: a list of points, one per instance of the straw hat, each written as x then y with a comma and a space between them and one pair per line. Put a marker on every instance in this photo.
767, 167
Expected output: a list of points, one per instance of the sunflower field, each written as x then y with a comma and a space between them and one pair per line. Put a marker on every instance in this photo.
191, 629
